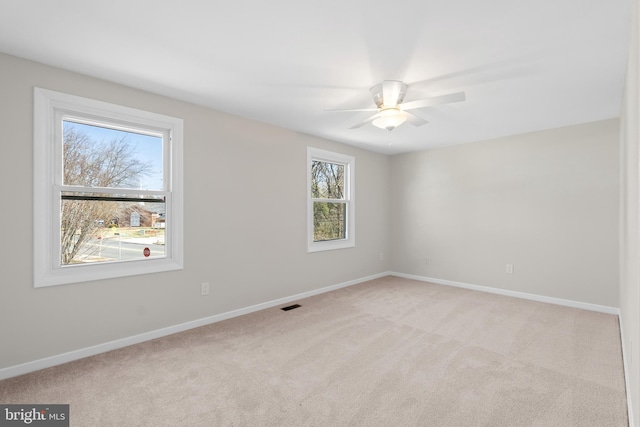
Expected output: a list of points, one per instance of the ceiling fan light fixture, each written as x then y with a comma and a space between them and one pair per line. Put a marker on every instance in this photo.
390, 119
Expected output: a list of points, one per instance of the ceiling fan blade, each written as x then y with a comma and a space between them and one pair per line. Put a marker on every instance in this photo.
391, 92
415, 120
339, 110
436, 100
369, 120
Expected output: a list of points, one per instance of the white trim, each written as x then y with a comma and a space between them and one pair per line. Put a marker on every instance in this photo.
625, 365
47, 362
49, 109
25, 368
349, 200
515, 294
545, 299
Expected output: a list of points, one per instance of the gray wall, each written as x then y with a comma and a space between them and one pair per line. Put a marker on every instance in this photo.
546, 202
245, 219
629, 217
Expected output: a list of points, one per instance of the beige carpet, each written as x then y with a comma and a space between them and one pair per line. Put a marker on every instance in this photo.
390, 352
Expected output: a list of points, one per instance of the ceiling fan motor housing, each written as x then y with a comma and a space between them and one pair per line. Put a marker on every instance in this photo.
378, 93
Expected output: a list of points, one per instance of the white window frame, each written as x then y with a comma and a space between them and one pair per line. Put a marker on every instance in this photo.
50, 108
349, 199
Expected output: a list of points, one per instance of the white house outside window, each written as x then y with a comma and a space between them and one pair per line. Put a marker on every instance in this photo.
107, 190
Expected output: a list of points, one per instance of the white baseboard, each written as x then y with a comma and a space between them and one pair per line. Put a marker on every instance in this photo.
551, 300
13, 371
515, 294
25, 368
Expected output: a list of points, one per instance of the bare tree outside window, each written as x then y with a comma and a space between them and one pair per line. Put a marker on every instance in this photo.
329, 217
89, 162
108, 190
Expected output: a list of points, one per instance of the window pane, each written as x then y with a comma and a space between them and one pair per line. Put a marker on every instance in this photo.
327, 180
329, 221
95, 156
106, 230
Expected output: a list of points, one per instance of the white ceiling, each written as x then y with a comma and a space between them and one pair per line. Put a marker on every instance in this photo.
524, 65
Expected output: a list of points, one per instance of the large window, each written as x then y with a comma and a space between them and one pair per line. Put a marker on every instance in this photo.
331, 205
107, 190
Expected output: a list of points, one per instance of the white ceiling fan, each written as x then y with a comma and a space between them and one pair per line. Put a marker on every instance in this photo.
391, 112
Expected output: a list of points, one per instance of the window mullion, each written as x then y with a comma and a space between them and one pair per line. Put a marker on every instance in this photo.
77, 232
320, 200
330, 220
108, 190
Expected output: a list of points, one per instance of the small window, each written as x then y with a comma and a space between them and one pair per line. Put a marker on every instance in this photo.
108, 190
331, 206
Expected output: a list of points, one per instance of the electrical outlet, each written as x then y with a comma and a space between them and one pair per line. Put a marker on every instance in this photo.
426, 260
509, 269
204, 288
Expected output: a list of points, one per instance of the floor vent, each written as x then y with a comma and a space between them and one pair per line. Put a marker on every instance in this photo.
291, 307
